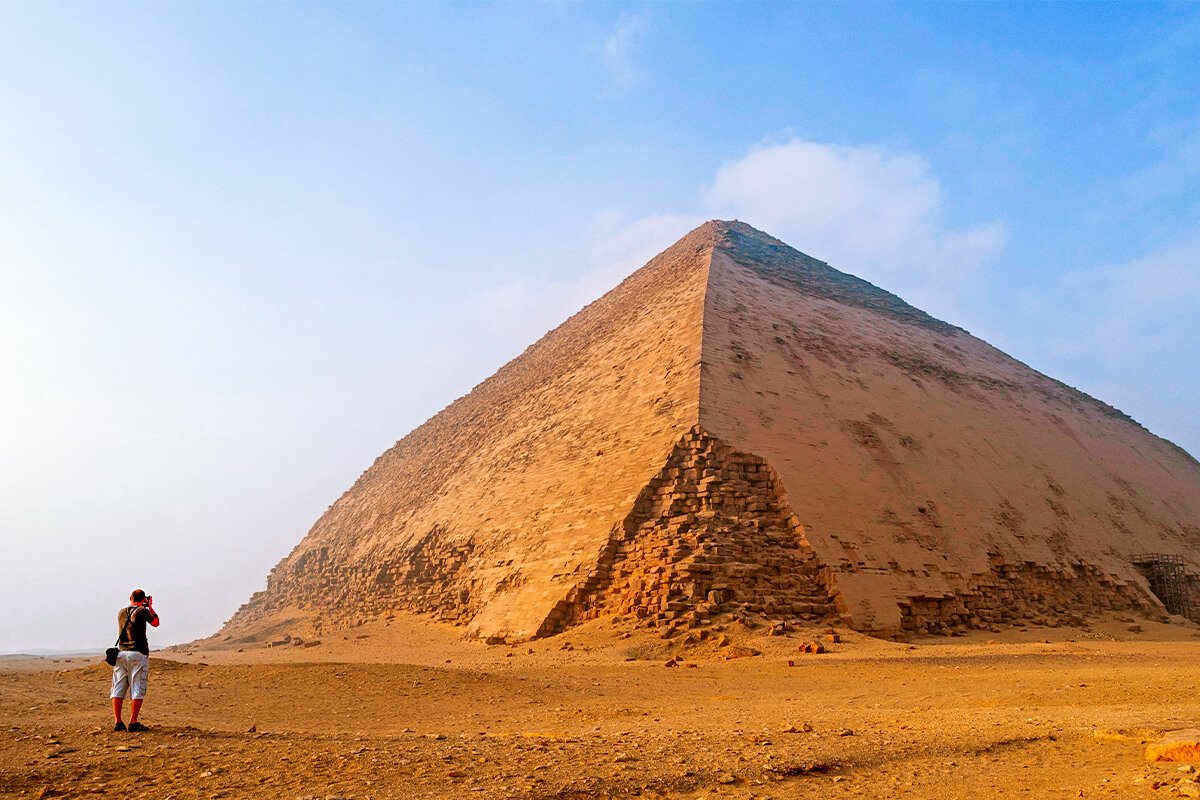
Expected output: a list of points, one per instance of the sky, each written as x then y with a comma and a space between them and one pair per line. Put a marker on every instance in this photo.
244, 248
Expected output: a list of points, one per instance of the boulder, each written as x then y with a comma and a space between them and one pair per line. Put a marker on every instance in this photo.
1181, 745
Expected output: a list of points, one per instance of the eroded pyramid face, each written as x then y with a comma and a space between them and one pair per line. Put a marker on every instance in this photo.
739, 429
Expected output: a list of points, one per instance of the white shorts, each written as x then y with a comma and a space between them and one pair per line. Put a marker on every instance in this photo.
130, 674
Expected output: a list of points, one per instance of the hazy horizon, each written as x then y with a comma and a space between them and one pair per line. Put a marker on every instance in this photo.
248, 247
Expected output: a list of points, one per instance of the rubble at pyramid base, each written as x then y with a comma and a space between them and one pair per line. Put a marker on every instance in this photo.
712, 533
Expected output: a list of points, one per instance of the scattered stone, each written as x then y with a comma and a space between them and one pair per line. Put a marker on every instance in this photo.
738, 651
1181, 745
846, 732
623, 758
727, 778
812, 647
1134, 628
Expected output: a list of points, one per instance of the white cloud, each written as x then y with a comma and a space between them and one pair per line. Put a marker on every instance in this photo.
616, 56
1137, 312
865, 210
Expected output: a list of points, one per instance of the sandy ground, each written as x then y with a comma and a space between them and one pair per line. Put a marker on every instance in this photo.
409, 710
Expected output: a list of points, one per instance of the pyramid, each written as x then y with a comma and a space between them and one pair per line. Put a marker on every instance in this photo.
740, 429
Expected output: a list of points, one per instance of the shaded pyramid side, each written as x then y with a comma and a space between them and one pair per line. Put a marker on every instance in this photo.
494, 509
943, 483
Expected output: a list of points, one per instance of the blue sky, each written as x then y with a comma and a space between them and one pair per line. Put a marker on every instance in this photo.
244, 248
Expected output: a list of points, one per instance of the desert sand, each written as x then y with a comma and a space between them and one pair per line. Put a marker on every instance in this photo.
408, 708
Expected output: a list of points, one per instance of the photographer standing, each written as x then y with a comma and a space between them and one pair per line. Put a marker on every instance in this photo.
133, 658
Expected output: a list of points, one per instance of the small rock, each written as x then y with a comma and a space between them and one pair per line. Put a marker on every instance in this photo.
846, 732
726, 778
1134, 628
252, 729
738, 651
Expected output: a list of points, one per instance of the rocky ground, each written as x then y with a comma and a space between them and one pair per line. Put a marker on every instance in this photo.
409, 710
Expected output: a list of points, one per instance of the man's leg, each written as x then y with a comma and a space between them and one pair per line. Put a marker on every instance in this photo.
120, 685
139, 671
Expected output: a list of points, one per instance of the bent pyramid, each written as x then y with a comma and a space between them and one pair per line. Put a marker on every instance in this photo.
740, 428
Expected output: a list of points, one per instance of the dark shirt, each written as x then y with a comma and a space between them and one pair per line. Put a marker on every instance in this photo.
133, 630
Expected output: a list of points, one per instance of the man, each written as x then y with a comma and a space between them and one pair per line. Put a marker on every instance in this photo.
133, 658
